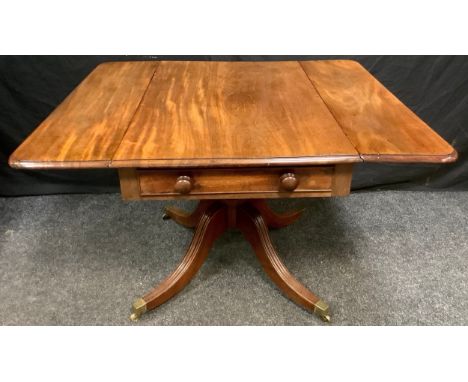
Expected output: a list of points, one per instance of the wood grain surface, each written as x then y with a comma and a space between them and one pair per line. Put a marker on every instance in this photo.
211, 225
212, 219
210, 112
255, 230
172, 114
87, 127
317, 181
217, 182
379, 125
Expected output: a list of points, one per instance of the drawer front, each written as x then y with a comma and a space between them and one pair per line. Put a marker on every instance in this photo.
236, 183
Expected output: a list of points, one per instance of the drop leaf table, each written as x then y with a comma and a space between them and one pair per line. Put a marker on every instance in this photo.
231, 135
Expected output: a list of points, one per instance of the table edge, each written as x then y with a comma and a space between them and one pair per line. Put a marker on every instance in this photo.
189, 163
239, 162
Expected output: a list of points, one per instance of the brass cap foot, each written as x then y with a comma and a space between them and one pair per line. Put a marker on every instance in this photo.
321, 309
166, 217
138, 308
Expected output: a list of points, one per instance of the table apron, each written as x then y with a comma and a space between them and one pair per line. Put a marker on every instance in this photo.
256, 183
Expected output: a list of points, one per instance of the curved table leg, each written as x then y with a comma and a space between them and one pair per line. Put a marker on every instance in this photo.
187, 219
212, 224
255, 230
274, 219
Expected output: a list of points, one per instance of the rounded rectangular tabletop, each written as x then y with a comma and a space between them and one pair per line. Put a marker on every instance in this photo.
223, 114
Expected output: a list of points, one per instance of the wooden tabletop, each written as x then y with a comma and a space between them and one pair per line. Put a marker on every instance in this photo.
229, 114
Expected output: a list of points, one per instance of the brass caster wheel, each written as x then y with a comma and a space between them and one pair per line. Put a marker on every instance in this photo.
138, 308
166, 217
321, 309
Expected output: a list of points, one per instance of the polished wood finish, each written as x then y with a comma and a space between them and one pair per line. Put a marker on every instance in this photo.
88, 126
255, 230
225, 133
288, 181
341, 183
211, 225
217, 113
219, 184
187, 219
183, 185
216, 217
376, 122
274, 219
129, 185
172, 114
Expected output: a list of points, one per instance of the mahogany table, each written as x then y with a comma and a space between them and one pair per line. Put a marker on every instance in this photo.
232, 135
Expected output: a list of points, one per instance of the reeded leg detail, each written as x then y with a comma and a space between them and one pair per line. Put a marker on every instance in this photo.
187, 219
274, 219
212, 223
255, 230
211, 219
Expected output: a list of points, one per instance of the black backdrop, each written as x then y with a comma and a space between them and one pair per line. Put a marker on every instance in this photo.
435, 88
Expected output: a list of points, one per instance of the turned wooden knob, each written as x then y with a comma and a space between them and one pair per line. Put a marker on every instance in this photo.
288, 181
183, 185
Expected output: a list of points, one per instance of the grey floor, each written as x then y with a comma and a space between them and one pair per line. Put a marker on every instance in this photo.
380, 258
